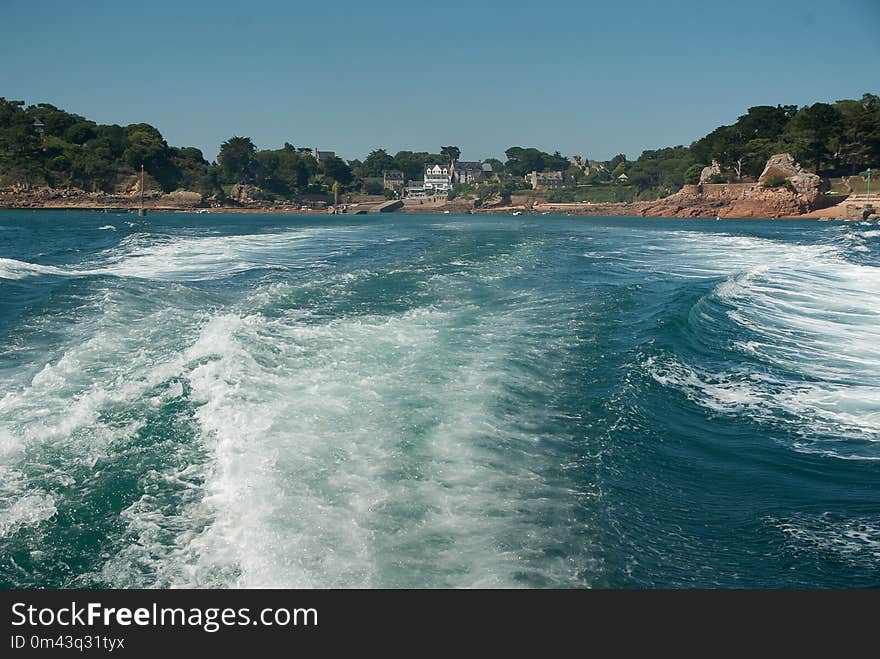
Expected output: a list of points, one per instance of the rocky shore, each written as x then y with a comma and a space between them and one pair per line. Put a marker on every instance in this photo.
784, 190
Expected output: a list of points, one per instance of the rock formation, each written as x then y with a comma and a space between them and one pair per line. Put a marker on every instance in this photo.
710, 171
783, 165
746, 199
242, 193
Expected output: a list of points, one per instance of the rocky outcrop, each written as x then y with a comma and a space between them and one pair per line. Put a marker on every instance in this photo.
783, 165
800, 195
708, 172
183, 198
27, 197
243, 193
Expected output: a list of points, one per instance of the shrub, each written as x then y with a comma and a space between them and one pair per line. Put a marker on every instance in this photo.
775, 181
692, 175
373, 188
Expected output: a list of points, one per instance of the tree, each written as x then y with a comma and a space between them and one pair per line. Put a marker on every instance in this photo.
236, 159
497, 165
412, 164
692, 174
338, 170
284, 171
811, 132
145, 146
615, 161
858, 145
521, 161
451, 153
80, 132
377, 163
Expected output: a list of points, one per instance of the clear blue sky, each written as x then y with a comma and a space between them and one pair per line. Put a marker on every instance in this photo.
592, 78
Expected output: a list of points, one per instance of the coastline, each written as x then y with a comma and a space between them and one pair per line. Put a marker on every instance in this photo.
695, 202
623, 209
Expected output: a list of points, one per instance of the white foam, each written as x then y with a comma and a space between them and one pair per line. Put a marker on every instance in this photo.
811, 315
194, 258
853, 539
14, 269
26, 510
340, 452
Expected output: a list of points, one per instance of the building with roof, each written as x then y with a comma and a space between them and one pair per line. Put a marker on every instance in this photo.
464, 172
438, 180
393, 180
323, 156
545, 179
415, 189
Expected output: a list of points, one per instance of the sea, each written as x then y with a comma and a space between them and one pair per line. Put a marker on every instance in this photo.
437, 401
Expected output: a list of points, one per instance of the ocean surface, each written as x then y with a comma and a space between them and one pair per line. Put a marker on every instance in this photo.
437, 401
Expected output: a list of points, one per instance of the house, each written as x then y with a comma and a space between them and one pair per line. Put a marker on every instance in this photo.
437, 180
466, 172
415, 189
323, 156
545, 179
393, 180
623, 178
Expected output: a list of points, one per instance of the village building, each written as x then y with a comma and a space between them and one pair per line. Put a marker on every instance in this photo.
393, 180
324, 156
545, 179
415, 189
437, 180
464, 172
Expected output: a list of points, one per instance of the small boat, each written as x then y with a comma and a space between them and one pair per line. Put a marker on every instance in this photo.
517, 212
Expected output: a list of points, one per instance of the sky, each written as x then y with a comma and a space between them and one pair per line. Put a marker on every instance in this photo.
581, 77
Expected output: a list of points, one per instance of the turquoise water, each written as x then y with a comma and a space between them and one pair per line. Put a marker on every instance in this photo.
427, 401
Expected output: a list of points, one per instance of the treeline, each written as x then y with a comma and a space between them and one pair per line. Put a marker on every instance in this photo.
838, 139
44, 145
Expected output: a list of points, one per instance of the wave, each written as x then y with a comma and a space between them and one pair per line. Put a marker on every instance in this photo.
378, 436
806, 326
15, 269
190, 258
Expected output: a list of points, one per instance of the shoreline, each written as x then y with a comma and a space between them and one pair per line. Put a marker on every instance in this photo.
701, 202
635, 210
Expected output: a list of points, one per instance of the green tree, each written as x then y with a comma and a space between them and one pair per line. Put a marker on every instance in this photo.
451, 153
615, 161
692, 174
236, 159
411, 163
811, 133
338, 170
377, 163
80, 132
497, 165
858, 145
521, 161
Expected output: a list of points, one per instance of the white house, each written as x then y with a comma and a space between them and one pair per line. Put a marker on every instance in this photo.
437, 180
